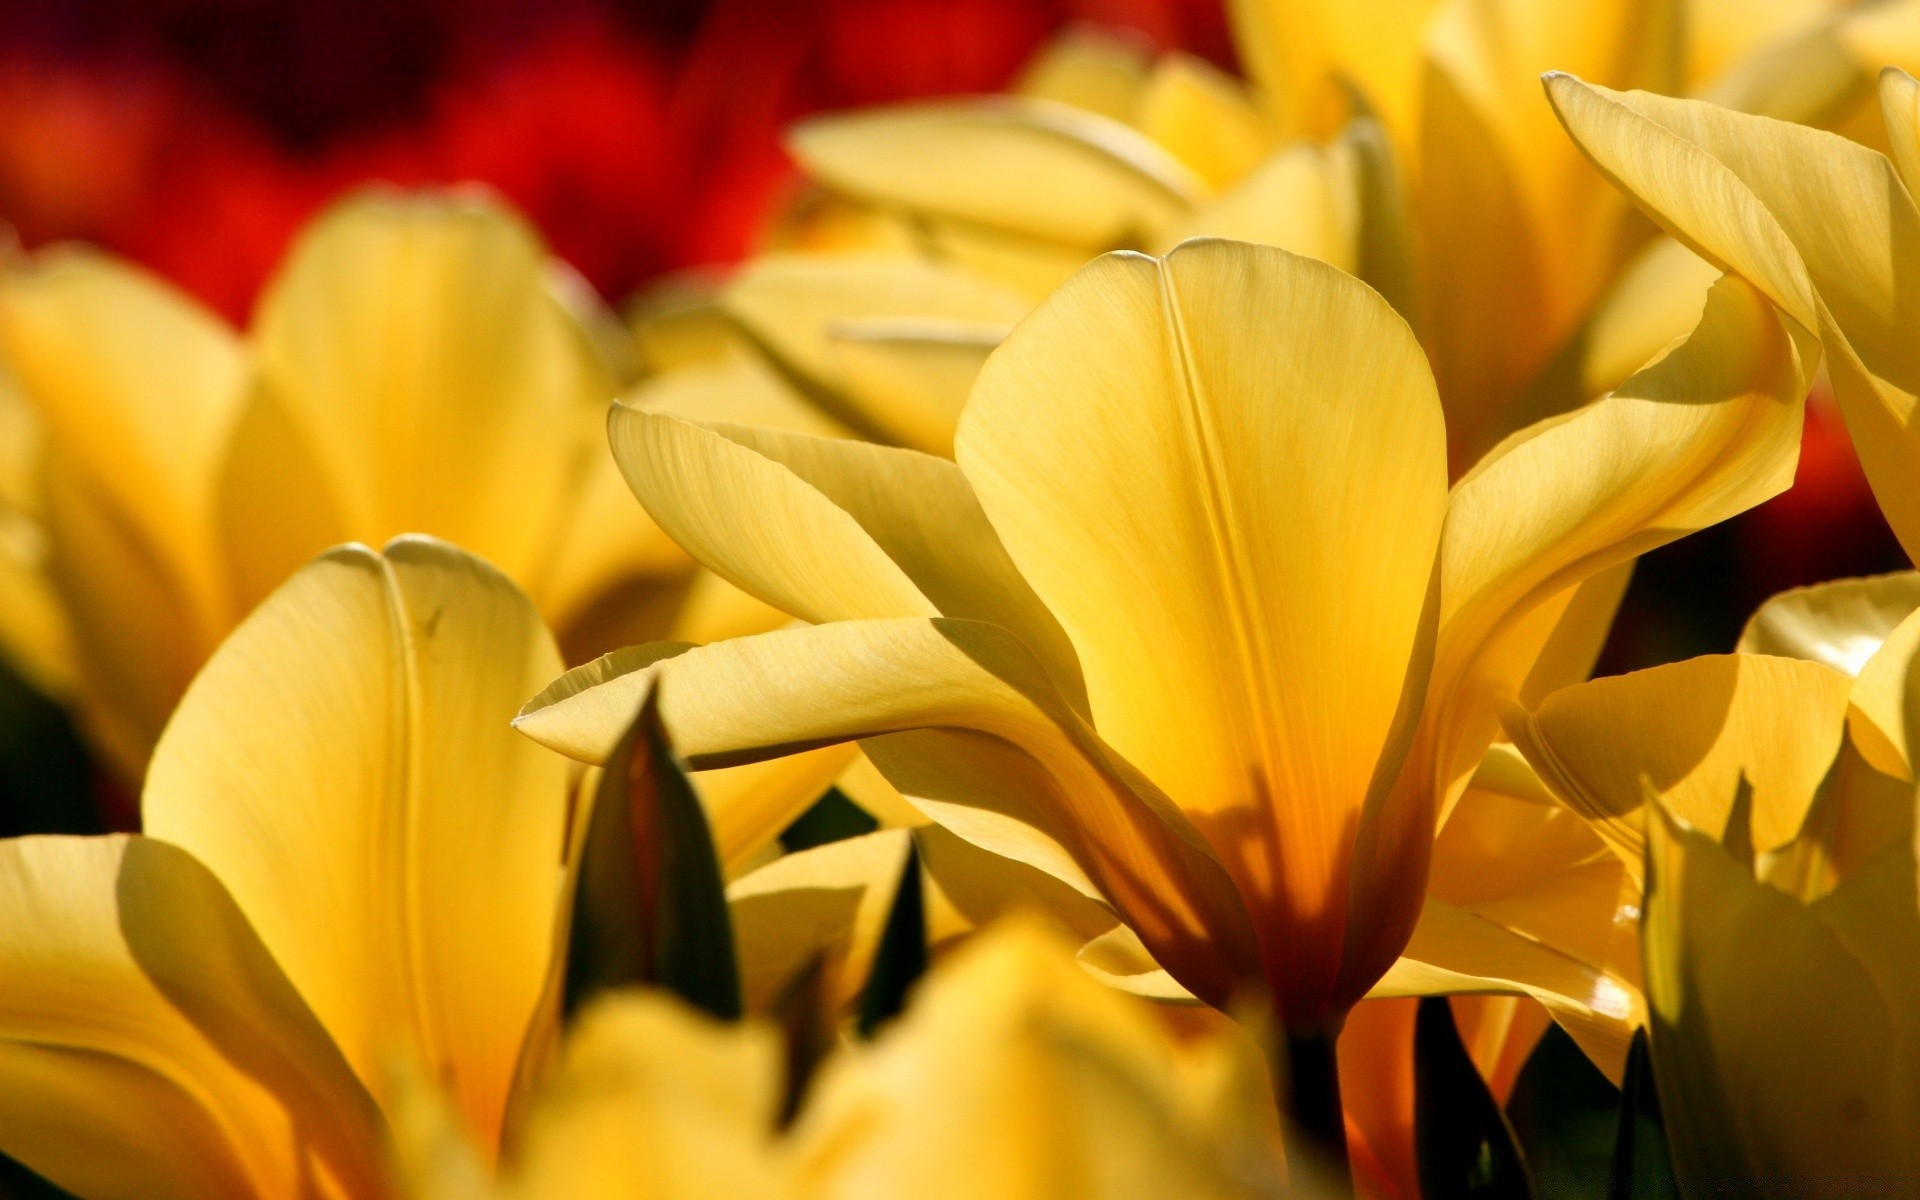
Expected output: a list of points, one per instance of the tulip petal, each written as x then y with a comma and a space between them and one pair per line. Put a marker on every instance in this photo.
398, 848
1877, 714
1027, 167
1298, 200
801, 553
1781, 1039
1091, 68
922, 512
150, 1044
1900, 104
909, 378
1692, 730
1710, 430
764, 696
1223, 472
414, 345
1203, 116
1841, 623
805, 310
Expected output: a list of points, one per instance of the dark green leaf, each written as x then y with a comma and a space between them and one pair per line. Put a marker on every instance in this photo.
1564, 1112
902, 956
1642, 1166
833, 818
651, 906
1462, 1142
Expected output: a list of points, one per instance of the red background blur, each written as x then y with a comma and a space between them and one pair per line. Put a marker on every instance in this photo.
196, 135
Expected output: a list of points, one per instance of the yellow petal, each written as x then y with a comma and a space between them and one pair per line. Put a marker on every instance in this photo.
831, 900
1723, 33
1655, 302
1013, 1074
922, 512
648, 1100
1455, 952
910, 377
1305, 54
1204, 117
1223, 472
748, 806
1028, 167
1782, 1031
1705, 433
760, 697
739, 385
1877, 715
413, 345
756, 523
1900, 103
345, 767
1089, 67
36, 636
137, 387
150, 1044
804, 309
1298, 200
1693, 730
1841, 623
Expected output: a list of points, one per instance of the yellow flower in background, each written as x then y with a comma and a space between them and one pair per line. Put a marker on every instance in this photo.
1404, 141
1781, 932
1011, 1074
1195, 624
409, 369
347, 854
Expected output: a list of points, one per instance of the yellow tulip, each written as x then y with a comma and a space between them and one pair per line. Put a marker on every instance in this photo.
1010, 1074
409, 368
1404, 141
1781, 933
348, 854
1194, 624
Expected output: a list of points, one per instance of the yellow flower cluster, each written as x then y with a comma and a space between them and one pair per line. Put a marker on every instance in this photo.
1176, 514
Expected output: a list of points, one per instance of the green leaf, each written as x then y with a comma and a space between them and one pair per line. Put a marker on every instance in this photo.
1642, 1165
833, 818
651, 906
1462, 1142
902, 955
1565, 1115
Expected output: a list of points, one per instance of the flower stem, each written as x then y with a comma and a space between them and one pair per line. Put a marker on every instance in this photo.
1317, 1133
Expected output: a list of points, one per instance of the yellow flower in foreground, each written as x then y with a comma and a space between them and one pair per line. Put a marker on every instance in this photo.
348, 852
409, 368
1826, 228
1011, 1075
1195, 623
1781, 931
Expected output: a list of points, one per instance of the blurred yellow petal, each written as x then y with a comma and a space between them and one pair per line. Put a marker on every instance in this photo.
1782, 1032
760, 697
1298, 200
1233, 510
748, 806
1089, 67
1304, 53
1900, 102
803, 309
910, 377
1710, 430
136, 386
150, 1044
1693, 730
1841, 623
802, 553
1723, 33
36, 638
1204, 117
1014, 1074
1028, 167
413, 345
344, 765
